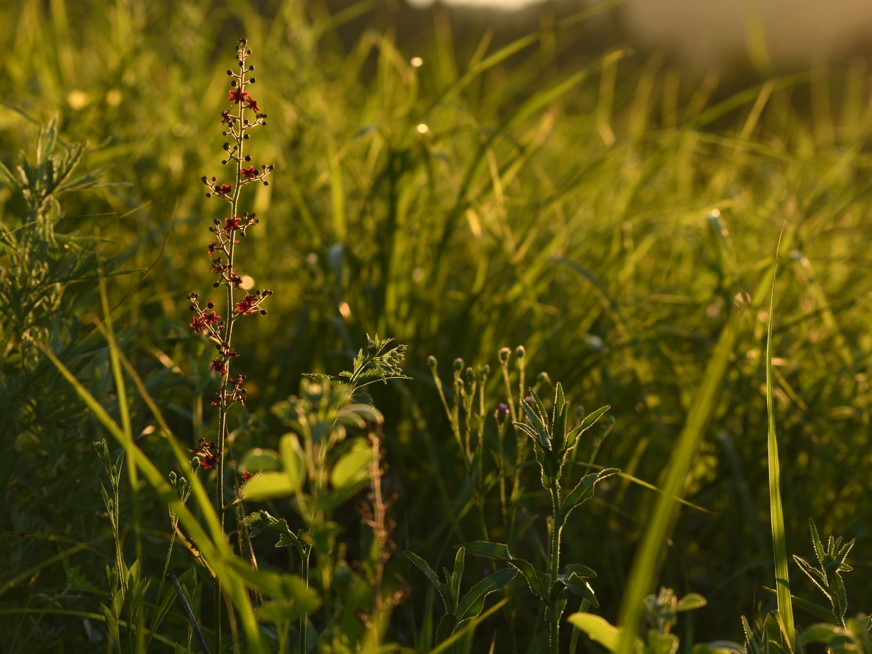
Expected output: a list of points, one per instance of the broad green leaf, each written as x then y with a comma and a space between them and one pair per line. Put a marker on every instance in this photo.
292, 459
260, 460
282, 587
358, 415
661, 643
828, 634
597, 628
284, 610
351, 468
580, 587
691, 602
268, 486
579, 570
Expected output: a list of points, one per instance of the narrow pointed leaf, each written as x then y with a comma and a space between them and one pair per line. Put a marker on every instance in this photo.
590, 419
455, 579
473, 602
424, 567
584, 489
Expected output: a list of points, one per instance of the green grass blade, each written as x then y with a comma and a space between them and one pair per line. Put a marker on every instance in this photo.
776, 509
126, 428
648, 557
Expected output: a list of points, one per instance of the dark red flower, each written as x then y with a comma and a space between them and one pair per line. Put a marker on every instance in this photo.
250, 172
237, 96
219, 365
252, 104
199, 323
246, 305
246, 475
223, 189
232, 223
206, 454
226, 118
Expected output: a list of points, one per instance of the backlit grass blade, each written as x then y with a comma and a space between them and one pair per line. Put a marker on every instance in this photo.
776, 510
648, 557
126, 428
646, 564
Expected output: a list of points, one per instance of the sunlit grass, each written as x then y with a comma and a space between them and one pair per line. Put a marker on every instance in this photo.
617, 219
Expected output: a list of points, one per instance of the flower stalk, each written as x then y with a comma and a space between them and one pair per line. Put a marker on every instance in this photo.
243, 115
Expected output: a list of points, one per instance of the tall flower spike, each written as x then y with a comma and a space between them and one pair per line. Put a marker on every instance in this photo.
237, 120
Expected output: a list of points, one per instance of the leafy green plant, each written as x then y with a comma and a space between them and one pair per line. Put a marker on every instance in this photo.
332, 452
838, 633
461, 610
555, 437
130, 605
661, 614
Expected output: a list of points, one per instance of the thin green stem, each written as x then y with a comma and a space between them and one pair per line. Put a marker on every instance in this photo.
238, 132
305, 552
553, 608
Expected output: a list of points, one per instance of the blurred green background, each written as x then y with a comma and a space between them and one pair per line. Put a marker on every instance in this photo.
511, 187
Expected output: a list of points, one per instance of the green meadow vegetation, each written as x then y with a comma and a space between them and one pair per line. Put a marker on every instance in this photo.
430, 344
